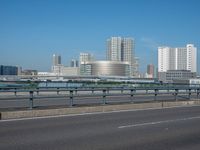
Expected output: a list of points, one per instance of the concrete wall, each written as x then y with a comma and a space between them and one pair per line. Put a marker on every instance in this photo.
92, 109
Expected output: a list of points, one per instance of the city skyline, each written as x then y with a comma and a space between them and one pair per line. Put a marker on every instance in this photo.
31, 31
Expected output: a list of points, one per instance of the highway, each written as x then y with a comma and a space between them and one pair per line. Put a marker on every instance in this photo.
152, 129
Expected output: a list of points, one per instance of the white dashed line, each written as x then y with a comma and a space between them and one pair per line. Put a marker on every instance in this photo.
158, 122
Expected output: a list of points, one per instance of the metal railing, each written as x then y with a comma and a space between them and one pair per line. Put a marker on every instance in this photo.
70, 94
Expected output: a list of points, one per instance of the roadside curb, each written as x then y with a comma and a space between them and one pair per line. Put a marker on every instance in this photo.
91, 109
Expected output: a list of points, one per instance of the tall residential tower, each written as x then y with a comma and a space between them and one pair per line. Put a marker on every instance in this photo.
121, 49
177, 61
56, 66
183, 58
56, 60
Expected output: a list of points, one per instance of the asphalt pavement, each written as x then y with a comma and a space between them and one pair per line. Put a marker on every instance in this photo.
152, 129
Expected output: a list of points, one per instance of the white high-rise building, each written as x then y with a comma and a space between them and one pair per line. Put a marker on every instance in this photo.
114, 49
184, 58
192, 58
177, 63
127, 50
121, 49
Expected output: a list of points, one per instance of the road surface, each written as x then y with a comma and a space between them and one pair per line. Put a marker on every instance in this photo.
152, 129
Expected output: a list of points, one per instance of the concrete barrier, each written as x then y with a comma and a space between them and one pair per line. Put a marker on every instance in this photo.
91, 109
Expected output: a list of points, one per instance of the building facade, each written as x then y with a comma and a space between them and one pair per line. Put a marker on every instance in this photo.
114, 49
57, 69
56, 64
172, 76
70, 71
56, 60
150, 71
184, 58
85, 57
29, 72
74, 63
8, 70
135, 71
173, 61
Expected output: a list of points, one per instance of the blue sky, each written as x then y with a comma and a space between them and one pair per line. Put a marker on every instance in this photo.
31, 31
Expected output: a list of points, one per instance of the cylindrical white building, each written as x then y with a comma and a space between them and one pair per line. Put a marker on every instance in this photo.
105, 68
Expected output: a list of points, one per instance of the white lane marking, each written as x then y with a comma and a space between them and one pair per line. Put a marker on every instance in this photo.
158, 122
95, 113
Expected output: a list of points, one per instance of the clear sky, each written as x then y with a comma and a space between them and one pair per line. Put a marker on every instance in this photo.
31, 31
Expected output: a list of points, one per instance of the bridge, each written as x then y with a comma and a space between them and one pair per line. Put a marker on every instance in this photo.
153, 128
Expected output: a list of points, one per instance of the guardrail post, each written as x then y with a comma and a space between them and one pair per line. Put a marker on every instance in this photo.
122, 89
71, 98
57, 91
168, 89
175, 94
146, 91
31, 100
189, 94
76, 89
132, 95
104, 96
66, 85
155, 94
37, 91
15, 91
108, 90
